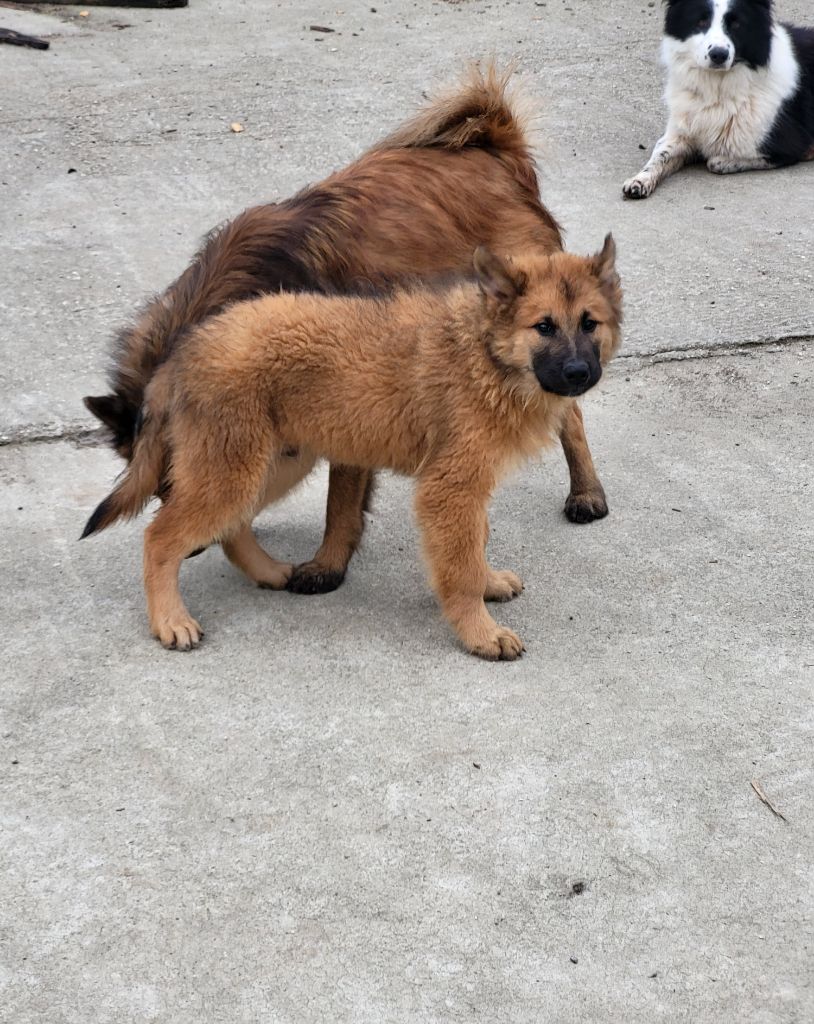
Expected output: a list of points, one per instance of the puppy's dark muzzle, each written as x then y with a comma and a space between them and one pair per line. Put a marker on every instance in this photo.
570, 378
577, 373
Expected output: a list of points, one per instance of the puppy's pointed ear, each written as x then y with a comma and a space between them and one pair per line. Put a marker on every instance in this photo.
604, 266
605, 260
497, 278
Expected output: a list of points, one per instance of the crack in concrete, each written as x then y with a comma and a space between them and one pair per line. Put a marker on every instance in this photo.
82, 434
79, 433
734, 348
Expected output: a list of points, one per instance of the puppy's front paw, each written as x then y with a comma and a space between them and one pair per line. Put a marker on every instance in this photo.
503, 645
639, 187
178, 633
502, 585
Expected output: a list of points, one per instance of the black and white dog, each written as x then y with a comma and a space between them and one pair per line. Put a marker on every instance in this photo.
740, 91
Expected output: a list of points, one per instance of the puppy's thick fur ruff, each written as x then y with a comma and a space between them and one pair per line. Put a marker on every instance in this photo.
459, 175
451, 386
740, 91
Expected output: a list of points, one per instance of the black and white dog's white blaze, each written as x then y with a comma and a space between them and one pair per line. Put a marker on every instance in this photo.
740, 91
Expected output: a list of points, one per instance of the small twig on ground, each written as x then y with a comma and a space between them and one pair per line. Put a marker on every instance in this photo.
8, 35
756, 786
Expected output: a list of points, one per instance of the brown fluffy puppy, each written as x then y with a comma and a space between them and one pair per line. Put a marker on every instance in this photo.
418, 204
451, 386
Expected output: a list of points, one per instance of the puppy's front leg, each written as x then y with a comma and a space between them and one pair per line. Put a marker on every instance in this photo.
453, 523
670, 154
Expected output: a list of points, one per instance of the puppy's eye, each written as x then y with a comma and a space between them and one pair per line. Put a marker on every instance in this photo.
589, 325
734, 23
704, 24
546, 327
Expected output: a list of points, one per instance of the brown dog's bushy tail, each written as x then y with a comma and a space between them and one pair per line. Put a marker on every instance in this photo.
479, 112
246, 257
143, 476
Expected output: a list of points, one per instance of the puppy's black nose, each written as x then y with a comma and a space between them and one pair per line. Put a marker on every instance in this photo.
576, 371
718, 56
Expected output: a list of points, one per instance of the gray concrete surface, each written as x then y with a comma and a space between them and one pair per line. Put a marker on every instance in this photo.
328, 812
142, 114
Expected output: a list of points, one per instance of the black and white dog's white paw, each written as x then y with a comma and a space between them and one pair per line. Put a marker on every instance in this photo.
733, 165
639, 187
723, 165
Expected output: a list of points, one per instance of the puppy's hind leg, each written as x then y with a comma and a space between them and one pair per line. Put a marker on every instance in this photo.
501, 584
210, 498
245, 553
243, 550
670, 154
167, 543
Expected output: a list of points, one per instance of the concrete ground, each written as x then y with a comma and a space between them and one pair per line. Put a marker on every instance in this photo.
328, 812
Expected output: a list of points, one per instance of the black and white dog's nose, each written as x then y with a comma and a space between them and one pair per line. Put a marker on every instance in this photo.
718, 56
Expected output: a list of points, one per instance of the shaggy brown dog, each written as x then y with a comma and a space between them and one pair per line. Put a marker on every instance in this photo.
419, 203
450, 386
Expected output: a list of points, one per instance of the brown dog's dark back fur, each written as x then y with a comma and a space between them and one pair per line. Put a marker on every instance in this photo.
459, 175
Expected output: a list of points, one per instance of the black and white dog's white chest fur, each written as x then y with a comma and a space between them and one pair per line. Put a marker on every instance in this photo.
740, 91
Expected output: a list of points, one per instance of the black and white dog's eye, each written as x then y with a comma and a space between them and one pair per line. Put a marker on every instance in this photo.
589, 325
546, 327
704, 24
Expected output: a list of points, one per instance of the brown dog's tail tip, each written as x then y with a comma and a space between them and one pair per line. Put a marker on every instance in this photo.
98, 520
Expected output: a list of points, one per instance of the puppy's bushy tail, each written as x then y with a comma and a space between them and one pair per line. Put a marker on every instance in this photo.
144, 474
479, 112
